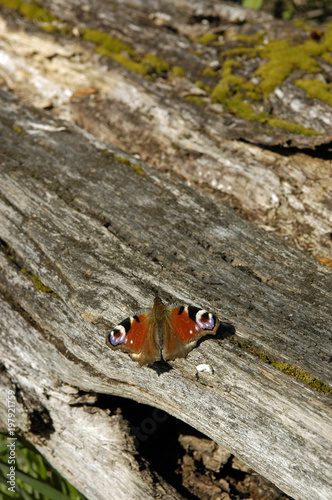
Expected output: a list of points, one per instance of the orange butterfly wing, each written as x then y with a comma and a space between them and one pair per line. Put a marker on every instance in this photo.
183, 327
135, 335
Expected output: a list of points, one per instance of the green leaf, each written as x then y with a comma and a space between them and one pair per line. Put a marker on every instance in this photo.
43, 488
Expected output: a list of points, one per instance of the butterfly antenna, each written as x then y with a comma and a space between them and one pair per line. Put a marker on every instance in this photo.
157, 287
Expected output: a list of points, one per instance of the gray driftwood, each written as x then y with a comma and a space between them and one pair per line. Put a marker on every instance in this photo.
94, 225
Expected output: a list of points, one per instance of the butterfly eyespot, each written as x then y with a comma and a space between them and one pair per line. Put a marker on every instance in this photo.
117, 336
205, 320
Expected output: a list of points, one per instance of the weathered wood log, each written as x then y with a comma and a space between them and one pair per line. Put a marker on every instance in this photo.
84, 229
174, 119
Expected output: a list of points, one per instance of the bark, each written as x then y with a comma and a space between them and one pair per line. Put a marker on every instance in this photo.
85, 228
276, 175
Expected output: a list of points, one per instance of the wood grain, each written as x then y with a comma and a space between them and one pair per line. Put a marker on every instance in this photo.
95, 230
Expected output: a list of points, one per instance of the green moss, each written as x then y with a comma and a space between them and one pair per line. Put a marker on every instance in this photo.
316, 89
283, 59
134, 166
327, 57
263, 356
178, 71
136, 67
49, 28
232, 91
32, 10
229, 83
122, 53
210, 73
108, 42
203, 86
291, 127
11, 4
205, 39
252, 92
155, 64
302, 375
18, 130
292, 371
251, 39
138, 169
238, 51
41, 287
199, 101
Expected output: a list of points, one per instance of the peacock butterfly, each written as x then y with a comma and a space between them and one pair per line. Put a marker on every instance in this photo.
163, 332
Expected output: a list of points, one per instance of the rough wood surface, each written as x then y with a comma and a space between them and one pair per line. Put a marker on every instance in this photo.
93, 224
169, 121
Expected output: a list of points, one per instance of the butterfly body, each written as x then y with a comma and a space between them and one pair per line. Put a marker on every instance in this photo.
164, 332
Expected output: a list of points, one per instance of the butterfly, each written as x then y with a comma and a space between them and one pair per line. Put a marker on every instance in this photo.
163, 332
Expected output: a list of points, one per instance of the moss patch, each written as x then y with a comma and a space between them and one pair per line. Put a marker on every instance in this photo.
297, 373
107, 45
178, 71
317, 89
134, 166
155, 64
233, 92
34, 11
302, 375
199, 101
136, 67
18, 130
203, 86
40, 286
209, 73
283, 57
108, 42
205, 39
285, 367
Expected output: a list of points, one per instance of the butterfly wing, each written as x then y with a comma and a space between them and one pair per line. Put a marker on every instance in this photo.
136, 336
183, 327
